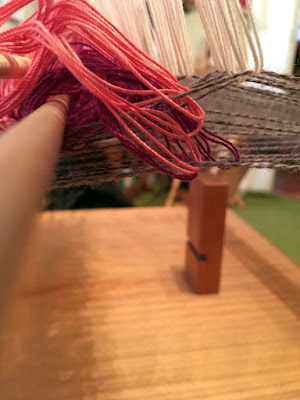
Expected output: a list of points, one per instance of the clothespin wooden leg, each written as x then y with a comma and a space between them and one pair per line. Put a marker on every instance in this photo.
206, 221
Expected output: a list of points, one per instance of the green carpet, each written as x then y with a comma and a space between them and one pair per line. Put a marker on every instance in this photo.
157, 197
275, 217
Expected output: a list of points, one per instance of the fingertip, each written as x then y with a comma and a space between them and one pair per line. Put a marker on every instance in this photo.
60, 103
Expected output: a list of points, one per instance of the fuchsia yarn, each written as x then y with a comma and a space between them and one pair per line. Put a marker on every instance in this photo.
109, 80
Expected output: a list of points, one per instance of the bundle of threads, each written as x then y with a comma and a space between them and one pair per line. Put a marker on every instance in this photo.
75, 50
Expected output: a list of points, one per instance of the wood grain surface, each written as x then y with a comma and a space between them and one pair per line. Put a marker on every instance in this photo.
102, 311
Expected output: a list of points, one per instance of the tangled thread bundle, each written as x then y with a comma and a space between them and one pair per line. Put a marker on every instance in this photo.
110, 80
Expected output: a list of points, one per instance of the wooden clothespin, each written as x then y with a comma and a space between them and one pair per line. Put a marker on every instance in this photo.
206, 221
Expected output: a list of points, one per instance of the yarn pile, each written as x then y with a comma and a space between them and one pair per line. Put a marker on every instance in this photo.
74, 50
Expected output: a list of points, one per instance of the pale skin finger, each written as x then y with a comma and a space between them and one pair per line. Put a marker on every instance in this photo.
13, 66
28, 155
